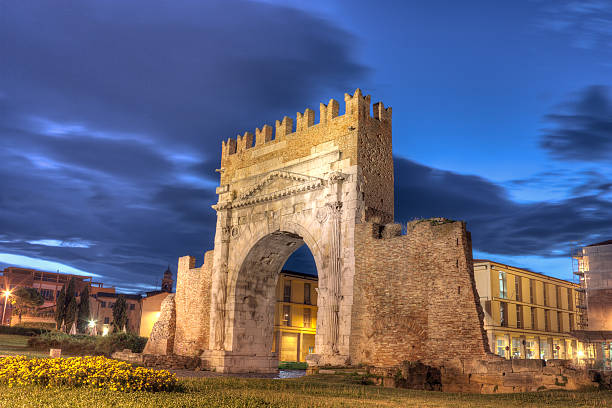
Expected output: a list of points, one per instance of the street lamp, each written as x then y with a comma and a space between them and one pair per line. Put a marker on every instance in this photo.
6, 294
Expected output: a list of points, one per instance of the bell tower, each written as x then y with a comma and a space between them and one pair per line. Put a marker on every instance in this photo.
167, 281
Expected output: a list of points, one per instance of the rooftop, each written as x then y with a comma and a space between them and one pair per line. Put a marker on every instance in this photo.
300, 274
116, 295
608, 242
523, 269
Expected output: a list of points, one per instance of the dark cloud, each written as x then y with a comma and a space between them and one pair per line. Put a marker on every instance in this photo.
112, 115
586, 22
581, 129
498, 224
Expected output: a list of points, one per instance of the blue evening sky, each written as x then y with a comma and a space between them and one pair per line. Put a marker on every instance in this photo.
112, 114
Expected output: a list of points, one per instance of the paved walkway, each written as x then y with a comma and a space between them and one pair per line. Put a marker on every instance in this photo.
211, 374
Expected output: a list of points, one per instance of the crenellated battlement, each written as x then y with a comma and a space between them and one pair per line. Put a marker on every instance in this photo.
356, 105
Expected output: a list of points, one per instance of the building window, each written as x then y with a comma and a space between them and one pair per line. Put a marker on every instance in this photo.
531, 291
545, 294
516, 347
47, 294
106, 320
518, 290
571, 322
307, 317
560, 321
530, 348
503, 287
534, 318
503, 314
307, 293
501, 347
287, 291
570, 305
102, 304
547, 320
519, 316
559, 297
132, 306
310, 349
543, 349
287, 315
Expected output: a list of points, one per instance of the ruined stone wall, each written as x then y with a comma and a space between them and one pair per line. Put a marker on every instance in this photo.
161, 340
489, 376
192, 301
376, 167
415, 295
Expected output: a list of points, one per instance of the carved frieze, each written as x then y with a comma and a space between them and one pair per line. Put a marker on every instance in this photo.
264, 190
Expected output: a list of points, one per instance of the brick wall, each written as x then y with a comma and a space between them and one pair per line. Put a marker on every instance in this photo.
415, 297
192, 300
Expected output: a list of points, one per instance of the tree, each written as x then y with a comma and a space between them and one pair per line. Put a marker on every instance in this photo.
119, 313
71, 312
84, 312
26, 299
60, 308
65, 297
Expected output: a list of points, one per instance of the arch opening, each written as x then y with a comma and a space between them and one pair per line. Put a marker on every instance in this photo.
275, 310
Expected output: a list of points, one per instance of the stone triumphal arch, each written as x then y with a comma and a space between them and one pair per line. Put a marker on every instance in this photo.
384, 296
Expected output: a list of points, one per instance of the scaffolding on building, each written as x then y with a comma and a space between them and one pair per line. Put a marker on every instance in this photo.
592, 268
580, 301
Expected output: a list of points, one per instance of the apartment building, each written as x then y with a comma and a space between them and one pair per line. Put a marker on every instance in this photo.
101, 307
49, 285
296, 316
528, 314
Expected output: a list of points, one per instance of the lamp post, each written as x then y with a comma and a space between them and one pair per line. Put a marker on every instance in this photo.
6, 294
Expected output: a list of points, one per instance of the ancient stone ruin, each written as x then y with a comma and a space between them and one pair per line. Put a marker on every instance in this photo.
384, 297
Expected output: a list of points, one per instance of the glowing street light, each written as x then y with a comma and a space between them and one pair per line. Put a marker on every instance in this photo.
6, 294
92, 323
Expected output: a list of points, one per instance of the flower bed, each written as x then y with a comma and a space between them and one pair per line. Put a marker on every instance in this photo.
95, 372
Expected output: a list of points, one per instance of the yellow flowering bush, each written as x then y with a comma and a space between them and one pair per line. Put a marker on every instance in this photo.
95, 372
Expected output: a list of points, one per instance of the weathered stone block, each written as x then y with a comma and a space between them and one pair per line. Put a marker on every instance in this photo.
391, 230
499, 366
161, 341
558, 363
475, 366
520, 379
492, 379
551, 370
521, 365
455, 379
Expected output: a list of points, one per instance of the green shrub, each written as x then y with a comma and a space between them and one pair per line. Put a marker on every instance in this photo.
119, 341
292, 365
81, 344
37, 325
22, 331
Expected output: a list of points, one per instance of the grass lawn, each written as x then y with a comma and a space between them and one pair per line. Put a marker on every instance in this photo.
312, 391
292, 365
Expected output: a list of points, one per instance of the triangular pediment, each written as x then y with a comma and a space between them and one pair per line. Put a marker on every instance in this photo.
278, 184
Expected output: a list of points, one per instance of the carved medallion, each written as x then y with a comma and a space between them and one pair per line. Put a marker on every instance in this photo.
322, 214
